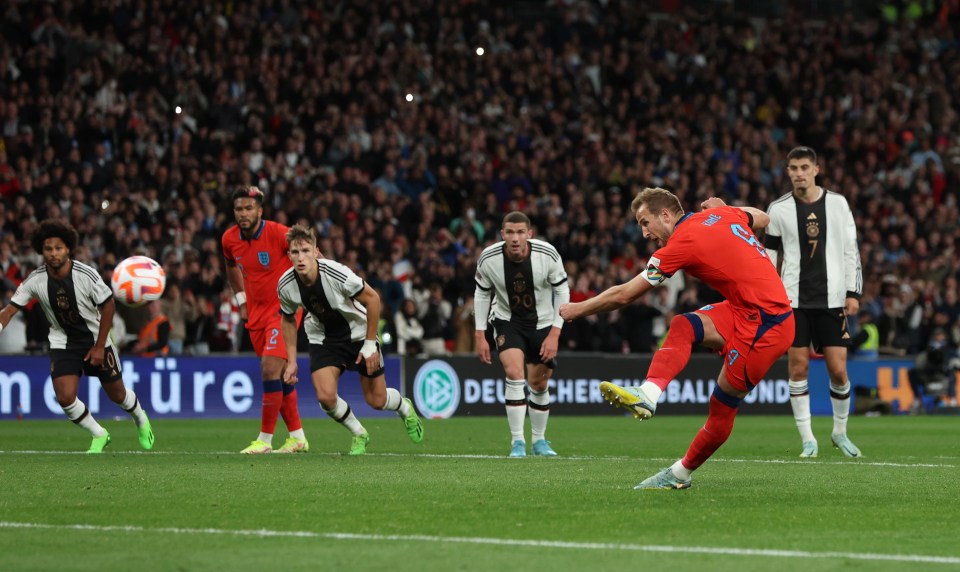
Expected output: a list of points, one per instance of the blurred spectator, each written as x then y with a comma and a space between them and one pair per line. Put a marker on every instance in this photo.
463, 326
14, 338
177, 313
435, 313
408, 328
934, 373
154, 337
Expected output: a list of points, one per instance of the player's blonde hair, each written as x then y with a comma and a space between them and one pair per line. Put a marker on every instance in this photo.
656, 199
302, 232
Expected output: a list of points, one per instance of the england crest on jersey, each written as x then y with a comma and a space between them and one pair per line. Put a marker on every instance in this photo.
264, 258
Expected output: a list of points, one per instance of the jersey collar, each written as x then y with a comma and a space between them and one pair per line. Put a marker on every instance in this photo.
257, 234
683, 218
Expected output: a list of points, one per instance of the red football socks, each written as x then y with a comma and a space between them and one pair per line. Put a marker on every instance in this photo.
673, 356
289, 409
714, 432
272, 399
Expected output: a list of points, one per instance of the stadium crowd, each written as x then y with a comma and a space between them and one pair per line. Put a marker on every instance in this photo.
403, 131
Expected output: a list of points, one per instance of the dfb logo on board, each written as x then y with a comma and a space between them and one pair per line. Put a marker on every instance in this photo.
436, 389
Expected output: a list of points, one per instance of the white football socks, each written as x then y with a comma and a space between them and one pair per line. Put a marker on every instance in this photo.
800, 403
516, 407
342, 414
539, 413
840, 399
79, 414
131, 405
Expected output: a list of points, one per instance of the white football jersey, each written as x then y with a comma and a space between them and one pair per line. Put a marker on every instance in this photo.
71, 305
333, 316
524, 291
821, 259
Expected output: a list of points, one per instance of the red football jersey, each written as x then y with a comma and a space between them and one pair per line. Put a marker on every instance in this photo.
718, 247
261, 260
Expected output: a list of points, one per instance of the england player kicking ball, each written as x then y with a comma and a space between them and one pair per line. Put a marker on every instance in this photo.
337, 303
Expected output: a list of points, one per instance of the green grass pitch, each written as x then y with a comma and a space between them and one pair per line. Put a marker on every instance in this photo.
456, 503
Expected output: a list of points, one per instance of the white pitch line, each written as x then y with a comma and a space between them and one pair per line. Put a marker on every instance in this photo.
725, 551
849, 462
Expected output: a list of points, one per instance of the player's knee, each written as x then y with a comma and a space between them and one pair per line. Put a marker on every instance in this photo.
514, 372
271, 370
798, 371
692, 320
838, 376
327, 400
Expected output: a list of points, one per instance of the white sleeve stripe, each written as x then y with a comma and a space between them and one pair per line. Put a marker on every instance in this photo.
89, 272
284, 280
330, 272
545, 251
484, 257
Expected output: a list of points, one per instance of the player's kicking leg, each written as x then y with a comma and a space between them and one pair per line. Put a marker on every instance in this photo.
686, 331
633, 399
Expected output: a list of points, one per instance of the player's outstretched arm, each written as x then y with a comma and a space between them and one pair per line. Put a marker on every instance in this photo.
608, 300
760, 218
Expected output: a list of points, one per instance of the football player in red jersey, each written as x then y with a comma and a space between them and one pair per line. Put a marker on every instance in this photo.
255, 251
751, 328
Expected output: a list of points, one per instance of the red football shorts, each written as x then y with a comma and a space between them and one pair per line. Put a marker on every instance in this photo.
754, 341
269, 340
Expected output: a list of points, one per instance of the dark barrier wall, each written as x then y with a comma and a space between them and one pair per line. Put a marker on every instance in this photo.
230, 386
465, 386
215, 387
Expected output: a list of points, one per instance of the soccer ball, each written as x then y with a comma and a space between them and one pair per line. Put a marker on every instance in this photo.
138, 280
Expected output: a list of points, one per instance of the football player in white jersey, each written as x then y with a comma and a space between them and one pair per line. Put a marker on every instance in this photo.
337, 303
79, 307
525, 279
813, 233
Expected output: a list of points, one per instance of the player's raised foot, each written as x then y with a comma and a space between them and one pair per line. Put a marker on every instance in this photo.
359, 444
518, 448
845, 445
98, 444
542, 448
413, 423
145, 434
665, 479
294, 445
257, 447
810, 450
630, 398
